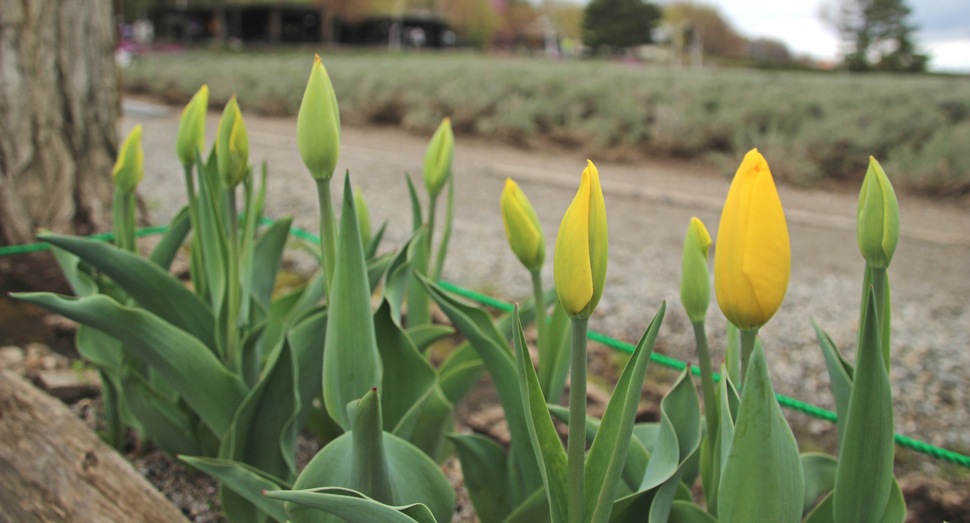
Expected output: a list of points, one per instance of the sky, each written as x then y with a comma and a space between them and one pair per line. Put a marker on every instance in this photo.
944, 27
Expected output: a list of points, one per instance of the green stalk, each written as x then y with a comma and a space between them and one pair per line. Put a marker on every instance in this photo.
123, 214
446, 232
432, 208
707, 380
540, 302
328, 232
747, 347
880, 287
576, 444
232, 318
197, 278
117, 216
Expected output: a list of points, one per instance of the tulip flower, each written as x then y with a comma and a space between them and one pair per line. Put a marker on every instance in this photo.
522, 227
191, 134
129, 168
752, 262
437, 161
695, 281
363, 216
581, 248
318, 124
232, 146
878, 224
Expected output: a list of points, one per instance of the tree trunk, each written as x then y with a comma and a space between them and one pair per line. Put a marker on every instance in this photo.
55, 469
58, 106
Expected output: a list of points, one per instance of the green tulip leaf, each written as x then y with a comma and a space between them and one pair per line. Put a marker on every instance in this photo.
168, 425
212, 231
202, 380
81, 282
896, 507
822, 513
484, 467
351, 360
267, 257
148, 284
375, 463
477, 326
554, 354
354, 507
396, 278
417, 217
763, 463
99, 348
306, 340
839, 377
864, 478
262, 434
460, 372
534, 509
679, 433
371, 248
403, 391
168, 246
636, 456
376, 267
545, 440
687, 512
424, 336
608, 453
246, 481
435, 417
418, 253
442, 252
819, 470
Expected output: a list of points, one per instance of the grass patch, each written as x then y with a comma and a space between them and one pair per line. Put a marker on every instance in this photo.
810, 126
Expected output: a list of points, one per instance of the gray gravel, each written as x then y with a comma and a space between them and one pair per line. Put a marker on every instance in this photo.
648, 208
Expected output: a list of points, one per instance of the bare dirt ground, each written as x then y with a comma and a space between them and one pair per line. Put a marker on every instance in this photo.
648, 209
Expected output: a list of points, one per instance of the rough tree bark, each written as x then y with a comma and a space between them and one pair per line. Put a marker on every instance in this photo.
59, 103
56, 470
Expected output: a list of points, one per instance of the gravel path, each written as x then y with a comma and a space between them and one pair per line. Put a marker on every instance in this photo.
648, 208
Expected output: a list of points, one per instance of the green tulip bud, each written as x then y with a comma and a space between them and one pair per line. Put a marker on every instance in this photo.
232, 146
581, 249
522, 227
437, 161
695, 280
191, 134
363, 216
318, 124
878, 220
129, 168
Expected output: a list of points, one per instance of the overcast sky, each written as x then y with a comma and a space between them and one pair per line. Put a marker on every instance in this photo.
944, 27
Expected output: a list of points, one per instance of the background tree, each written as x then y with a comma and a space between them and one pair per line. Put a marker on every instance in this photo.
619, 23
717, 36
58, 106
877, 33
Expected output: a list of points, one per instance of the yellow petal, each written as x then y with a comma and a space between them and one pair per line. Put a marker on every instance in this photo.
573, 274
522, 226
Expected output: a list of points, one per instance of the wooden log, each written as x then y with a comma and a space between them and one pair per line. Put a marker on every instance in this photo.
53, 468
69, 384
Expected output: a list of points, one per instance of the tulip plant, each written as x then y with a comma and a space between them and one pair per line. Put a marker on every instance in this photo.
226, 373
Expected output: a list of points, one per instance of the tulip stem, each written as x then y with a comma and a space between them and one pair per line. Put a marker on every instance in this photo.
328, 233
576, 444
124, 221
880, 287
432, 210
707, 379
541, 327
748, 338
196, 253
233, 301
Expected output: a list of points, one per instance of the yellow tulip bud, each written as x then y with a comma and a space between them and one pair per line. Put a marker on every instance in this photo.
581, 248
695, 280
437, 161
191, 134
878, 220
363, 216
129, 168
752, 262
318, 124
522, 227
232, 145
